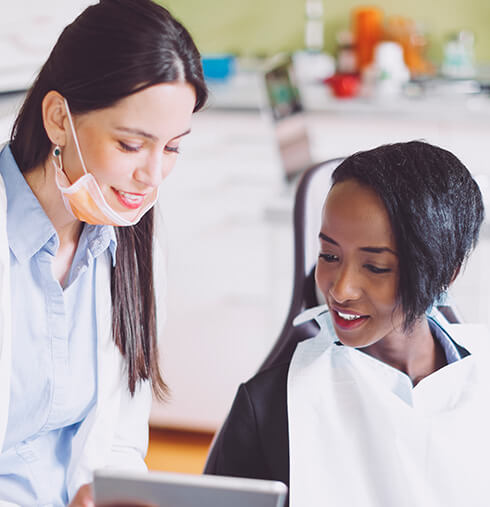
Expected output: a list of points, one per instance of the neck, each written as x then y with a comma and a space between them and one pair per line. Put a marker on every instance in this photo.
415, 353
41, 179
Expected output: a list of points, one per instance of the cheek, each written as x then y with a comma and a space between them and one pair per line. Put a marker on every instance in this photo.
322, 276
386, 294
102, 158
110, 168
385, 299
317, 277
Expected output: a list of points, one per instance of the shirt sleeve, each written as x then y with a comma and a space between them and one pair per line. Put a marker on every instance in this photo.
5, 314
130, 441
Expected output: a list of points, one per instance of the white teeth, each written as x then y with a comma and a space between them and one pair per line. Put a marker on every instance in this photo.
130, 197
349, 316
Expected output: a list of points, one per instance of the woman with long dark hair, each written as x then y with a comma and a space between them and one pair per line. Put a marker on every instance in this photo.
98, 132
389, 405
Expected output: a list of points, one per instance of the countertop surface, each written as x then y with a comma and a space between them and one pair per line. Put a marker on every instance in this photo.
245, 92
442, 98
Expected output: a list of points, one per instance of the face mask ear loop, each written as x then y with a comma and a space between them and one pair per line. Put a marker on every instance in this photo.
75, 136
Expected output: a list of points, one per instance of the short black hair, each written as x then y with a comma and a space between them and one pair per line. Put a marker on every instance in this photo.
435, 208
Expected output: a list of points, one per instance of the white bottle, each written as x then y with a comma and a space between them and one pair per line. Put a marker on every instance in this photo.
387, 75
314, 25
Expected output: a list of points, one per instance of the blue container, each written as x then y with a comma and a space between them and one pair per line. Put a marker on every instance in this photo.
218, 67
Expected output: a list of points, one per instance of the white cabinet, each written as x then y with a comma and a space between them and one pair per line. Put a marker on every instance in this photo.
222, 312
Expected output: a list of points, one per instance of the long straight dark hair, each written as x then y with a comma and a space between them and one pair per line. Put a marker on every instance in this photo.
112, 50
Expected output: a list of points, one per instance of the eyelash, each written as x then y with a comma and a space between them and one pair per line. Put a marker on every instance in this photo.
376, 270
333, 258
127, 147
134, 149
328, 257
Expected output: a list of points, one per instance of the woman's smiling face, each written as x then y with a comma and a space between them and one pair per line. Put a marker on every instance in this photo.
357, 269
132, 146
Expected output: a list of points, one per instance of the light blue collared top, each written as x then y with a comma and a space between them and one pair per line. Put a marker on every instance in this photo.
54, 337
321, 314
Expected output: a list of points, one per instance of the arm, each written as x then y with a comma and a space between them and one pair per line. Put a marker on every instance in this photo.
128, 447
5, 315
130, 441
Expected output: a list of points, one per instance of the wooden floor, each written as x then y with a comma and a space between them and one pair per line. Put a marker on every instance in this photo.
177, 451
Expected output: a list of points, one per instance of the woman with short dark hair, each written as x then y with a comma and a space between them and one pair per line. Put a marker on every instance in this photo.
98, 132
389, 404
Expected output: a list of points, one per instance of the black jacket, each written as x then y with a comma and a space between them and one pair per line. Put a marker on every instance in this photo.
253, 441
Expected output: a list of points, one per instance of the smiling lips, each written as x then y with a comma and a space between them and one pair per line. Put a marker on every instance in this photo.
128, 199
348, 321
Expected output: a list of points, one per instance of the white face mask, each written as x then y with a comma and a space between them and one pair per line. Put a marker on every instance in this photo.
84, 199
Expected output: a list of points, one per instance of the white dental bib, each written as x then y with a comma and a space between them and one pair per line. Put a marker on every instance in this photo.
361, 436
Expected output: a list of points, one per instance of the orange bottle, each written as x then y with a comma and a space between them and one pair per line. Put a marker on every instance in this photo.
368, 31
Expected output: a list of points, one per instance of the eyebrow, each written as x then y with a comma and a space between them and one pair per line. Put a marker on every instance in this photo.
370, 249
147, 135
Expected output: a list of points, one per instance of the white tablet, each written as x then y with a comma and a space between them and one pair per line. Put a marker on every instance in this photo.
162, 489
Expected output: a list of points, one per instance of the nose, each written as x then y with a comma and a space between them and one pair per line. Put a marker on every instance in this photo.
345, 285
155, 169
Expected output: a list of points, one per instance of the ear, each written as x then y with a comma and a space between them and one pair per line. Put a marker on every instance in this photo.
55, 117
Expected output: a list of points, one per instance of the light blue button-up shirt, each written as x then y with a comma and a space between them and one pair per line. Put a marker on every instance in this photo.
54, 336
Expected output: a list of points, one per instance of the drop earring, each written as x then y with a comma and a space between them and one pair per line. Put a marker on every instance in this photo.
58, 162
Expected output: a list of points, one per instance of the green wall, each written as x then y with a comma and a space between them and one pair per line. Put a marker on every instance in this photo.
263, 27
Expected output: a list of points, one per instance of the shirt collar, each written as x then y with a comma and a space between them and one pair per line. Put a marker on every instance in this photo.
452, 353
321, 315
29, 228
99, 238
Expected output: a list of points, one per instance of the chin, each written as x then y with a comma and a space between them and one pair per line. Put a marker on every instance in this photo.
357, 341
355, 344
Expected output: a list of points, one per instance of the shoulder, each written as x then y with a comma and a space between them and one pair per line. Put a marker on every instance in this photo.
3, 198
254, 441
266, 394
473, 337
3, 222
268, 382
260, 403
